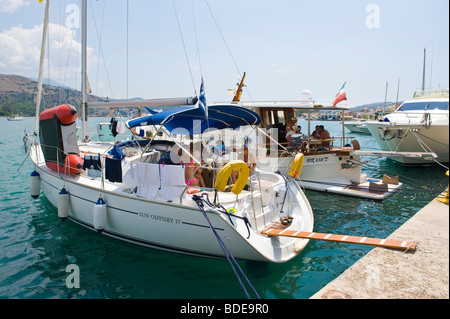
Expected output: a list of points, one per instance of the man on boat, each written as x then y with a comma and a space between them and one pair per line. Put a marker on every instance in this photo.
316, 134
324, 135
292, 128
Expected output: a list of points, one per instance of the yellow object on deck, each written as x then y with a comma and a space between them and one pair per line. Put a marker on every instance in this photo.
444, 200
387, 243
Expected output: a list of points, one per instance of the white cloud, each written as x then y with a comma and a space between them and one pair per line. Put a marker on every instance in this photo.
20, 53
12, 5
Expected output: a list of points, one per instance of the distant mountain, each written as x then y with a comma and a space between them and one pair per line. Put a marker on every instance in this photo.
373, 106
52, 83
18, 96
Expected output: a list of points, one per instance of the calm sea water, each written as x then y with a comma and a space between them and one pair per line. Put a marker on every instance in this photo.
36, 247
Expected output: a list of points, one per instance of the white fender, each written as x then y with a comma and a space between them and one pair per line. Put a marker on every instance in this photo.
63, 204
35, 184
100, 212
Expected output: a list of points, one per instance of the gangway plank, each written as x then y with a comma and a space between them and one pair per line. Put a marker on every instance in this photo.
386, 243
430, 155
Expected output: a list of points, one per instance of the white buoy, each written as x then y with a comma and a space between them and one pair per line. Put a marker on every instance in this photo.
63, 204
100, 210
35, 184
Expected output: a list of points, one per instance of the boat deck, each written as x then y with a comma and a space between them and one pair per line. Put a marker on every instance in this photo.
371, 189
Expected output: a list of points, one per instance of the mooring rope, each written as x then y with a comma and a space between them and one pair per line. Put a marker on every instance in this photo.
199, 201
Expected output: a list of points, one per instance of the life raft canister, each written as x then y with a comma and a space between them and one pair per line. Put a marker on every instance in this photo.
57, 133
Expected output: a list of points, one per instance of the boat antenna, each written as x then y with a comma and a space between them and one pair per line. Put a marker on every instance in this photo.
423, 72
385, 97
41, 66
398, 88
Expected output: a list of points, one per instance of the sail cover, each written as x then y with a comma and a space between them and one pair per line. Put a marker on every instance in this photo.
188, 121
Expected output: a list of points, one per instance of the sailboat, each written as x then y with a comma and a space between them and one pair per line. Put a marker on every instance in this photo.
141, 192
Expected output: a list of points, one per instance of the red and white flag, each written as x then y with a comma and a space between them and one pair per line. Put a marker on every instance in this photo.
340, 96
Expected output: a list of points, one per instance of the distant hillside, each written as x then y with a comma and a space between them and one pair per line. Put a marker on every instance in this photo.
18, 96
373, 106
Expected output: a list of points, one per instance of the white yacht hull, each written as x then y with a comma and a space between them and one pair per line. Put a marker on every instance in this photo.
357, 127
412, 138
177, 227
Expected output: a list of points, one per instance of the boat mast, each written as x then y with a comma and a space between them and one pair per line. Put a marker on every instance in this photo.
237, 96
41, 67
84, 111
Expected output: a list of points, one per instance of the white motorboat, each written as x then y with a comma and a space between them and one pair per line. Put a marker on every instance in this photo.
15, 118
126, 192
330, 165
358, 126
418, 125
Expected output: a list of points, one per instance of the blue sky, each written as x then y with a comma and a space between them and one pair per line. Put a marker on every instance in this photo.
284, 46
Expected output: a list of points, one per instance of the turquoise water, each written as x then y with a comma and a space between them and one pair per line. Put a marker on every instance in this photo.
36, 247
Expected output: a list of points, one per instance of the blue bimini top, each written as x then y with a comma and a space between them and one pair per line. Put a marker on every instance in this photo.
192, 120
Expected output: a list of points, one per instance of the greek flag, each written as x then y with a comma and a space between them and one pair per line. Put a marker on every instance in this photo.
202, 100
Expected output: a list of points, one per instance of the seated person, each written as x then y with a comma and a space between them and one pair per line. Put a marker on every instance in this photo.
316, 133
291, 129
249, 159
324, 135
197, 179
174, 157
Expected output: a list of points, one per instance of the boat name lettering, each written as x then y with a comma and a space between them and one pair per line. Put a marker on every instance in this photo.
162, 218
159, 218
317, 159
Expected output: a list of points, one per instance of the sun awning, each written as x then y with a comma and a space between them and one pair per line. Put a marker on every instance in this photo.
192, 120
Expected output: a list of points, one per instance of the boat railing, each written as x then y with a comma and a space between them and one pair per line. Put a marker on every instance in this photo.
256, 199
346, 140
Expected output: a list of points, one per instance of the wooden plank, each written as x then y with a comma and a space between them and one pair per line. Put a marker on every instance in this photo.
394, 154
386, 243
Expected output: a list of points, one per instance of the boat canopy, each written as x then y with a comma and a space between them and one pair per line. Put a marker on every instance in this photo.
193, 121
300, 105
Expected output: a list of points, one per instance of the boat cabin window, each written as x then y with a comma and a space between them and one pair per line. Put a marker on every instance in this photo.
275, 118
424, 106
271, 117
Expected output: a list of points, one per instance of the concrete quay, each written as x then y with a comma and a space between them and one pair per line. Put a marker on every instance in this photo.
394, 274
